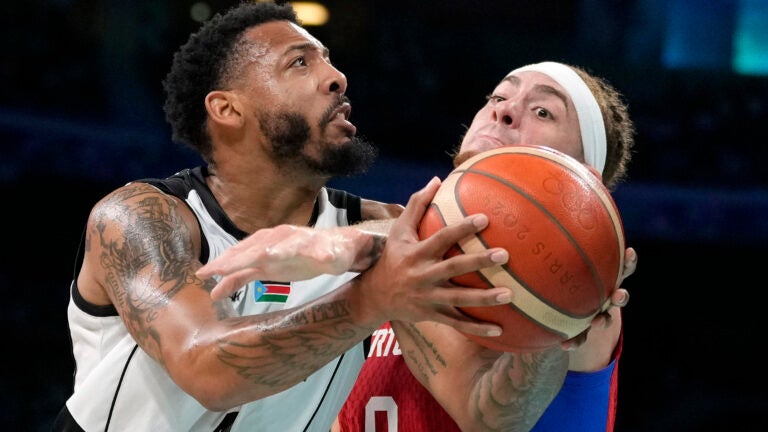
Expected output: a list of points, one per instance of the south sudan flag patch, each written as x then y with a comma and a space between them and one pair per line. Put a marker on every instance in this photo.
271, 292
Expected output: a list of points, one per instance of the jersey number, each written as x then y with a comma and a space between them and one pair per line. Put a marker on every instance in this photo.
381, 403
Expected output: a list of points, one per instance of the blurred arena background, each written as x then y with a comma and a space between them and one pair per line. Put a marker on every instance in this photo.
80, 114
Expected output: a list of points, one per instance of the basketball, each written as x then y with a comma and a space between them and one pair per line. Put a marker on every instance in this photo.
562, 230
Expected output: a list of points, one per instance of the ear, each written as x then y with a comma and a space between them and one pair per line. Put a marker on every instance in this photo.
223, 108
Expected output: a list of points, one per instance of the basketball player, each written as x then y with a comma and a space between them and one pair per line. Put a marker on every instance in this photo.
456, 384
548, 104
258, 97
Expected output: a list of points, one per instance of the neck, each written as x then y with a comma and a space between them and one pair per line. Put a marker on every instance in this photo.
265, 196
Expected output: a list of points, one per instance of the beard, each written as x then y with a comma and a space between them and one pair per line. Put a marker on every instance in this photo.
289, 134
456, 156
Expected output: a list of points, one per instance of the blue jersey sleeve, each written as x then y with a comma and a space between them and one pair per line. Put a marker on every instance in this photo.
582, 404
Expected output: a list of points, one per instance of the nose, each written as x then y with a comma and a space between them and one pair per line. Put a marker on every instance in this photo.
335, 82
507, 112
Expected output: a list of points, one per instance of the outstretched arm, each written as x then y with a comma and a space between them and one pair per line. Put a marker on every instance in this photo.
292, 253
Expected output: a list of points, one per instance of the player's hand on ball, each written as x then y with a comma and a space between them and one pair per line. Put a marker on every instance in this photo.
630, 263
411, 280
619, 299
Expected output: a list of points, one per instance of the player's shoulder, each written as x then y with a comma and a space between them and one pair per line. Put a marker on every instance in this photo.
373, 210
127, 193
135, 196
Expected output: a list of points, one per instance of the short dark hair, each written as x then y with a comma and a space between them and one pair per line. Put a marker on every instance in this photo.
203, 63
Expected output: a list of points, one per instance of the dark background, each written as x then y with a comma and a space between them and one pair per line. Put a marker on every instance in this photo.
80, 114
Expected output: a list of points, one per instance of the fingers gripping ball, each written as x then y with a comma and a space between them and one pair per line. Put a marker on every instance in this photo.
563, 232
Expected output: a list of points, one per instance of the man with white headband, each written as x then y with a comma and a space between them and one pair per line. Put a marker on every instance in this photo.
550, 104
534, 104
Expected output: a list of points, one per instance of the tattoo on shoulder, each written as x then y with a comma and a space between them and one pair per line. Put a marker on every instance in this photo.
146, 252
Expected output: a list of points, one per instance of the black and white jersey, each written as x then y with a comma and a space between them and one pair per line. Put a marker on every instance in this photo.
118, 387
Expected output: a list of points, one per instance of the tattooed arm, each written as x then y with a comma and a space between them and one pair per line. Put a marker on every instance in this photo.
142, 254
482, 390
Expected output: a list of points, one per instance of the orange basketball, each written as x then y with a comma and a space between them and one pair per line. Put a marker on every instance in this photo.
563, 232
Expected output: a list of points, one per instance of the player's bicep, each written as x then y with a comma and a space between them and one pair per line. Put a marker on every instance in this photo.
141, 243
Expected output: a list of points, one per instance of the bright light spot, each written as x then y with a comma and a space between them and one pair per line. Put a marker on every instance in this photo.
750, 39
311, 13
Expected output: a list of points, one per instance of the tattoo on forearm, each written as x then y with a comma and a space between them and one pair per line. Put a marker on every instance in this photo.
277, 358
330, 311
516, 388
427, 359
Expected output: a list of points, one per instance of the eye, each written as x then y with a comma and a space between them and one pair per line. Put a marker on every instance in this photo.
542, 113
494, 99
300, 61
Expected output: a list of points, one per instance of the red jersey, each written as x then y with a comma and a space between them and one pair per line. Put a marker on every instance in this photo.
387, 397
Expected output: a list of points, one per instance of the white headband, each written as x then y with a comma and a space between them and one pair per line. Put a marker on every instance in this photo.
587, 109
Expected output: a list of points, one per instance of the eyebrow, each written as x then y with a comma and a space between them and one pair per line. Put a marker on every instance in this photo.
307, 46
541, 88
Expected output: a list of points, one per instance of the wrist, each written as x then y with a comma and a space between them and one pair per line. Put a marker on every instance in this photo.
370, 246
372, 239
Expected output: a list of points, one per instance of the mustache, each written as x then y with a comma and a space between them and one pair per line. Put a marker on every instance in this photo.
328, 113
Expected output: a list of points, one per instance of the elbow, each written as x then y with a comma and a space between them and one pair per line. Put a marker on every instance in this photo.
214, 394
198, 375
219, 404
198, 368
224, 392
